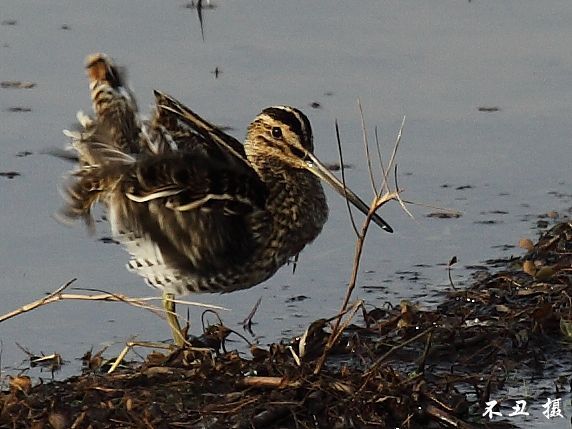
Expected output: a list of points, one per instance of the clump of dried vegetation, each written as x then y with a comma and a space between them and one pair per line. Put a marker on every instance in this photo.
400, 366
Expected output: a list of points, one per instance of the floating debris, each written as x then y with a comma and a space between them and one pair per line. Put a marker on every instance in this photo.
335, 166
488, 222
108, 240
24, 153
552, 214
9, 22
444, 215
216, 72
19, 109
501, 212
9, 174
315, 105
297, 298
526, 244
488, 109
16, 84
52, 362
529, 268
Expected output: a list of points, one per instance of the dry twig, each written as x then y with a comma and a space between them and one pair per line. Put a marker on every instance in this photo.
58, 295
382, 197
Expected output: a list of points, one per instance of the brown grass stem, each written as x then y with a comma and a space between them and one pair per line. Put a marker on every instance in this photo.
382, 197
53, 296
366, 146
58, 295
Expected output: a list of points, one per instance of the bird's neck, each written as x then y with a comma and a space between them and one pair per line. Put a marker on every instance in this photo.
296, 202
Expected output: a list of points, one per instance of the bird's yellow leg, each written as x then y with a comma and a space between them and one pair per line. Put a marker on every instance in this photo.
172, 319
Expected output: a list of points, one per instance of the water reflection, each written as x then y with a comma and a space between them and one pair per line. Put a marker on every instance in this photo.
199, 6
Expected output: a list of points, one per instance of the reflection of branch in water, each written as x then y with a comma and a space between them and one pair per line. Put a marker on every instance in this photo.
200, 13
199, 6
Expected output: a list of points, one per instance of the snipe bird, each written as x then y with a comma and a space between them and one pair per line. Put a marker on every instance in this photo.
198, 210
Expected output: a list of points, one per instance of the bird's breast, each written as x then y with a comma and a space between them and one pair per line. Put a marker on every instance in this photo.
298, 210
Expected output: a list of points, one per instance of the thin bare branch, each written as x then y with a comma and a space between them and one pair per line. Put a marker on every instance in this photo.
142, 299
58, 295
351, 286
352, 312
383, 187
399, 200
394, 152
195, 304
379, 361
336, 333
396, 145
150, 345
247, 322
342, 169
366, 145
378, 201
429, 206
384, 199
29, 307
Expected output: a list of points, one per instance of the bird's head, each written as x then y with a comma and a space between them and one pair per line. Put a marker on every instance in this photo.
284, 134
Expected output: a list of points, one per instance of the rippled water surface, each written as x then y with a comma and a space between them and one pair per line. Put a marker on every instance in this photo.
486, 88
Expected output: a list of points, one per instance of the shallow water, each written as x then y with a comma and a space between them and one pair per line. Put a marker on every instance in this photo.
436, 62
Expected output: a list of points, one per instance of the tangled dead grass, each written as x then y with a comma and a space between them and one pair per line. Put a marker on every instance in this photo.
397, 367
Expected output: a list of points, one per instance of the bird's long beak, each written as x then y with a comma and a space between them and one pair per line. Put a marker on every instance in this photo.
320, 170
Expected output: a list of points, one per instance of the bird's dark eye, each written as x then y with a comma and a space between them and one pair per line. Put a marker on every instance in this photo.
276, 132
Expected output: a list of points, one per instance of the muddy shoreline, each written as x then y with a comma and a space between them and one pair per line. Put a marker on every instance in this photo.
402, 366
